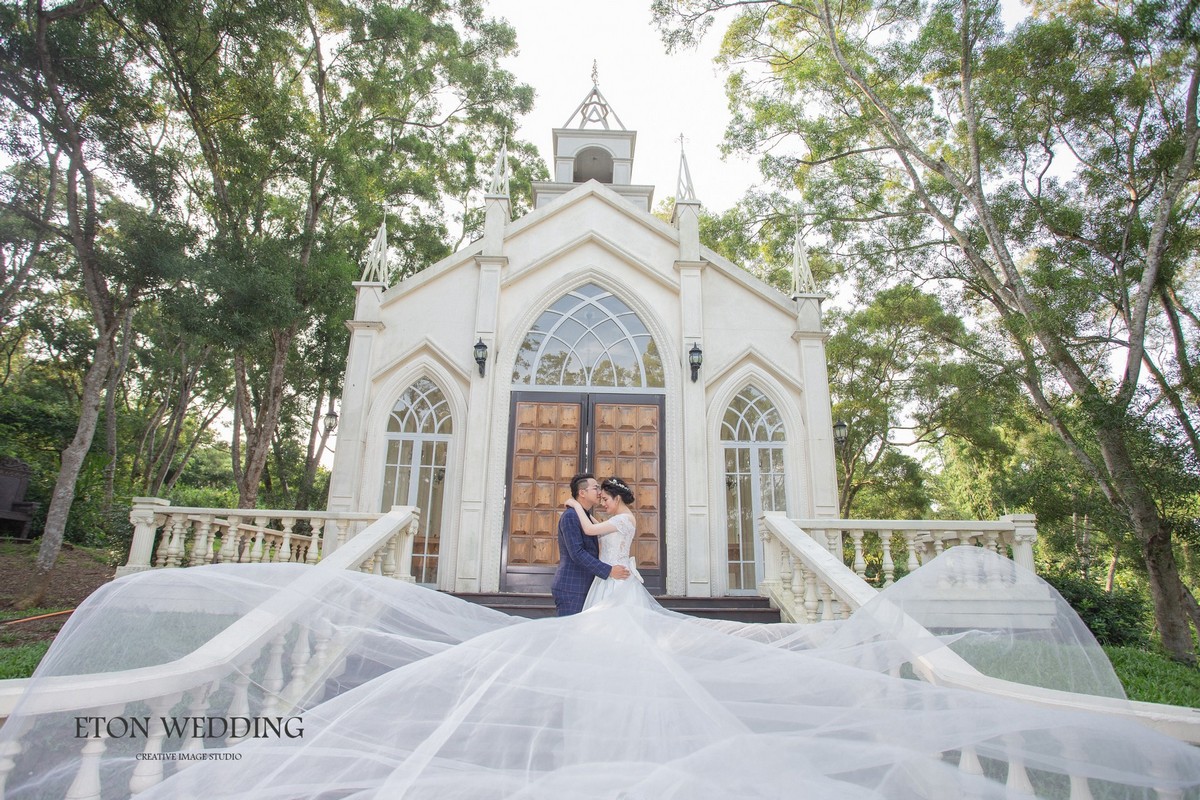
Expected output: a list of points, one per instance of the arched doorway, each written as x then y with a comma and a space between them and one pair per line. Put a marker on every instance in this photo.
753, 440
414, 473
588, 395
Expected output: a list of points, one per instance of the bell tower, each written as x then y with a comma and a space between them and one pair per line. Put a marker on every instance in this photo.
593, 144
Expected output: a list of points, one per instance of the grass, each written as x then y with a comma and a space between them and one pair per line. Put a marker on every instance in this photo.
20, 661
1154, 678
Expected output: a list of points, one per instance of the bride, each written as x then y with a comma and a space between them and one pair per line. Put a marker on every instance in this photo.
435, 697
616, 537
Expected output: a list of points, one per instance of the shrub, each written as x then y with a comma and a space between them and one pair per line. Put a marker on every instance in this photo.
1120, 618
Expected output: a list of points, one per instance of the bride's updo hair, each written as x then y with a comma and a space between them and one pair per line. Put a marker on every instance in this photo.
617, 488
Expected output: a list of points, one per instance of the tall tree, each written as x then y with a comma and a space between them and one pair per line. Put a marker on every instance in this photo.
1049, 172
70, 81
305, 118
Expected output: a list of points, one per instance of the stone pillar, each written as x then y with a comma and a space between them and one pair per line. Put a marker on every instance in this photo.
698, 562
356, 398
141, 514
813, 370
477, 509
1024, 535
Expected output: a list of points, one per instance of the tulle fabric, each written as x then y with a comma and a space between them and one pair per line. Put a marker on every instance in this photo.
443, 699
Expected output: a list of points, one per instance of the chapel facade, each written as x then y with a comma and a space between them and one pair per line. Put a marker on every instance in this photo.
586, 335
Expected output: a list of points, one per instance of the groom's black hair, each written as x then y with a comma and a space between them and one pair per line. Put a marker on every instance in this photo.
578, 481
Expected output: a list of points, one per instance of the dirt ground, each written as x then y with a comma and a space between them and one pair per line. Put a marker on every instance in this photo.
78, 573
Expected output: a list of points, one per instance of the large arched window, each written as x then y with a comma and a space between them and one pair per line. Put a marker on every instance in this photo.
418, 441
752, 437
589, 337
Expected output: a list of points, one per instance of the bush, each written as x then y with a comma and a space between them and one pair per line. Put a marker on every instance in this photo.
1120, 618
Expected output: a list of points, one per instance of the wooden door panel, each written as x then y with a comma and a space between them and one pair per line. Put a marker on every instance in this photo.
545, 456
627, 446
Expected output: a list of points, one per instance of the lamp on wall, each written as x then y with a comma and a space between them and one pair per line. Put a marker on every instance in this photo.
840, 431
330, 421
695, 359
480, 355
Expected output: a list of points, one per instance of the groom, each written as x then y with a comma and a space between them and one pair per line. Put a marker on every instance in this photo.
577, 561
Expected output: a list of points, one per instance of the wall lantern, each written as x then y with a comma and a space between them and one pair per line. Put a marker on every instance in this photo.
695, 359
480, 355
840, 431
330, 421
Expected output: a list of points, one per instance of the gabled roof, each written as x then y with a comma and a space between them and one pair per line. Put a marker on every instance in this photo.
592, 191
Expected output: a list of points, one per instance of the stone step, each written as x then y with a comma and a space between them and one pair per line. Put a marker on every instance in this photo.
533, 606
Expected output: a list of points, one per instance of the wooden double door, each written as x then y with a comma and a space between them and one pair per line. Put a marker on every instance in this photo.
554, 436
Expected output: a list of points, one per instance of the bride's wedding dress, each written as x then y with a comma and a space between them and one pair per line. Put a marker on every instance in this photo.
614, 549
441, 699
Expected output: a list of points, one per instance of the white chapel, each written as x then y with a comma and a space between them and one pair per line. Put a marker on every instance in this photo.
587, 335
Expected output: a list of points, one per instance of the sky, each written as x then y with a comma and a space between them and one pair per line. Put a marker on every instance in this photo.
658, 95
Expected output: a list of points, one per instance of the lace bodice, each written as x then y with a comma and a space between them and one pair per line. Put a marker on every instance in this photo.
614, 546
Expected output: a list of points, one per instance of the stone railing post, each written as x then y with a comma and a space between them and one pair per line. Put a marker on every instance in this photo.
142, 514
1024, 535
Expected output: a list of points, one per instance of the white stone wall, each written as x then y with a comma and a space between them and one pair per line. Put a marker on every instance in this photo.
428, 324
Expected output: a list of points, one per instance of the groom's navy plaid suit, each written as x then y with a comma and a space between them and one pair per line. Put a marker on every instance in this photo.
577, 565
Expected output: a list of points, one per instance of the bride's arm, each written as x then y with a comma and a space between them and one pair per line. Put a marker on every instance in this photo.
586, 524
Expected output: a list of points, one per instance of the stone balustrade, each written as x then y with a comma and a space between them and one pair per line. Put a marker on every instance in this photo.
808, 581
180, 536
290, 655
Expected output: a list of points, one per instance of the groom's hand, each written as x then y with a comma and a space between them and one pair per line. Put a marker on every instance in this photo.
619, 572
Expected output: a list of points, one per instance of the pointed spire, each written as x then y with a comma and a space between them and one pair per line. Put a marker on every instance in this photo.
683, 188
499, 183
595, 108
802, 277
377, 269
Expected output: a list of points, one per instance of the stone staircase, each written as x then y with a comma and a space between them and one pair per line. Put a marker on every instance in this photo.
738, 609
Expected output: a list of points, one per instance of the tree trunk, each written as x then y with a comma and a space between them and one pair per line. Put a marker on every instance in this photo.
68, 474
258, 440
1112, 572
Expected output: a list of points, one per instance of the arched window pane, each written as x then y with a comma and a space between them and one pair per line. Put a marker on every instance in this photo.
752, 417
421, 409
589, 337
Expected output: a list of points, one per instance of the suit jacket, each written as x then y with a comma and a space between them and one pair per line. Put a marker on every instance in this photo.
577, 564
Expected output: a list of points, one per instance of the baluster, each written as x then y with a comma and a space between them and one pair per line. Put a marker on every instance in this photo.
301, 658
149, 772
314, 543
273, 677
833, 543
389, 557
258, 550
1080, 790
910, 537
368, 566
228, 552
284, 553
9, 750
992, 539
786, 589
860, 563
800, 575
175, 548
341, 531
235, 533
197, 708
201, 549
938, 547
239, 706
1018, 778
86, 785
826, 602
889, 566
968, 761
164, 542
810, 596
323, 634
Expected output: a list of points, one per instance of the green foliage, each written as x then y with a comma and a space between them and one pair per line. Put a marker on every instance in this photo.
1120, 618
22, 660
1151, 677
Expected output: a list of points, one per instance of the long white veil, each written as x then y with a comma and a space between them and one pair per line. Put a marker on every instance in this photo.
437, 698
